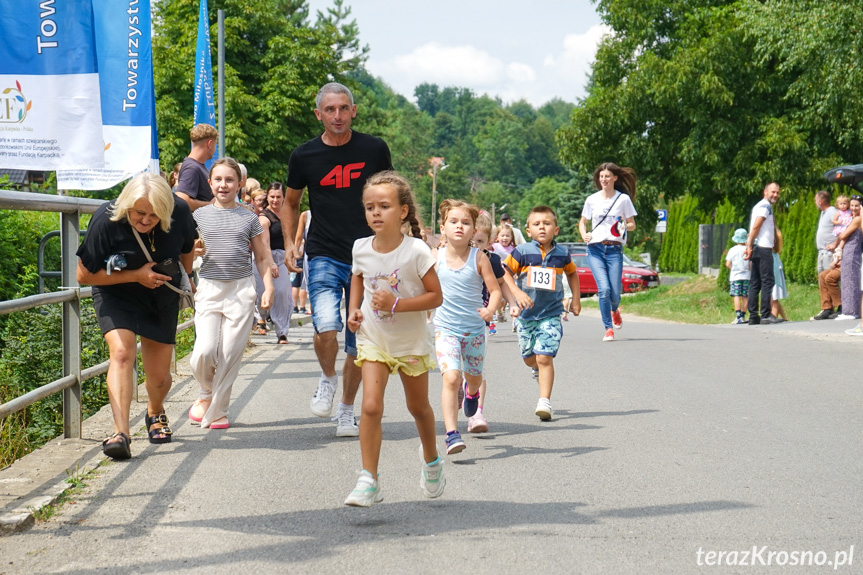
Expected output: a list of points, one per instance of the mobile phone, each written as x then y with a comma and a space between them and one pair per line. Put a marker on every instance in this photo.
167, 267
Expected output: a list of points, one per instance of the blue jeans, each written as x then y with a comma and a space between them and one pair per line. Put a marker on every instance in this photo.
329, 279
606, 264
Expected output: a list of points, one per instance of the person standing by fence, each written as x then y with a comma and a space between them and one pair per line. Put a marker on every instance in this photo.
828, 280
759, 250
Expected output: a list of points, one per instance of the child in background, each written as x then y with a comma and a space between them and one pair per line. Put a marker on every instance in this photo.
780, 290
739, 277
459, 322
478, 423
394, 283
539, 327
503, 246
567, 301
843, 215
504, 243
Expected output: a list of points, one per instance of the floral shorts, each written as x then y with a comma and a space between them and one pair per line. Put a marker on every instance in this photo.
539, 336
410, 365
739, 288
460, 351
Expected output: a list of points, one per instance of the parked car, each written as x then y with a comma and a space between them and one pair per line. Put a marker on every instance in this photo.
581, 248
634, 278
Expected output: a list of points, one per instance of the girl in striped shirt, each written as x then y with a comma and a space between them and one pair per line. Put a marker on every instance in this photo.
225, 298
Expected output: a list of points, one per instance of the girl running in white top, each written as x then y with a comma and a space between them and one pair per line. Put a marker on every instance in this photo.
394, 283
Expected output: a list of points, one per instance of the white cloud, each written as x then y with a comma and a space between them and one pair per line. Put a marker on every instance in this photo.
443, 65
566, 72
520, 73
562, 74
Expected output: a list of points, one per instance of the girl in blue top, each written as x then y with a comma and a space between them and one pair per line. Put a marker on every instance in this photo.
460, 322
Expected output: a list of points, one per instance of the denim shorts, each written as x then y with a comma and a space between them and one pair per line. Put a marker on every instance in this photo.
329, 280
460, 351
539, 336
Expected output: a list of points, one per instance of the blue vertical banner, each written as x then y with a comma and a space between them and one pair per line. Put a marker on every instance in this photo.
50, 112
125, 61
205, 105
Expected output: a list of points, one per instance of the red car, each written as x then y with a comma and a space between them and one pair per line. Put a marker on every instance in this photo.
634, 278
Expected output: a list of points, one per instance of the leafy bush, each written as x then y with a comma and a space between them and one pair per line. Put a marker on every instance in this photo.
32, 358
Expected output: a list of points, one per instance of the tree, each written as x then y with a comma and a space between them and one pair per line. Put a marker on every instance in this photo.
706, 97
275, 61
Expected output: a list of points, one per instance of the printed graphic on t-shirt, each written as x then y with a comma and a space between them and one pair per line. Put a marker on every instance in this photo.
382, 282
618, 228
341, 176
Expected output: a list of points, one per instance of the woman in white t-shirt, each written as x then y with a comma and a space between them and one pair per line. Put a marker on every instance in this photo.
612, 215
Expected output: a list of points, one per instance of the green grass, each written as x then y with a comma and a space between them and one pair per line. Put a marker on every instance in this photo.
77, 483
700, 300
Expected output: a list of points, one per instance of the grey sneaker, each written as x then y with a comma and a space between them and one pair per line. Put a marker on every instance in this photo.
322, 401
366, 493
432, 480
347, 423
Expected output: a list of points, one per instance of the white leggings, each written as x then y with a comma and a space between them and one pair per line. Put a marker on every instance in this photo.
223, 316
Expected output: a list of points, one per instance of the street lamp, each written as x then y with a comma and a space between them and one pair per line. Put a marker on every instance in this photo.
437, 164
493, 210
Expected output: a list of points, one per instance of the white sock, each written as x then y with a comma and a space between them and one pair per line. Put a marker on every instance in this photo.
334, 379
348, 408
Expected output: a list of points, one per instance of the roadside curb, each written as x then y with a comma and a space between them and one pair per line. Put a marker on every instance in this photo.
39, 479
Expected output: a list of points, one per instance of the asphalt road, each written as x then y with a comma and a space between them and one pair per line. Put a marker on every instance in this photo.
667, 445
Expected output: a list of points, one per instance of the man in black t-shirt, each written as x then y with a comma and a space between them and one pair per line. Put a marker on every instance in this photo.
193, 183
334, 167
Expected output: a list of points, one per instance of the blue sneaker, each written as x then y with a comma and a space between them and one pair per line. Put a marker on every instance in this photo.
454, 443
471, 403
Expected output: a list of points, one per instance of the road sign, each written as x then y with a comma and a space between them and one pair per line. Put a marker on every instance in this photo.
662, 215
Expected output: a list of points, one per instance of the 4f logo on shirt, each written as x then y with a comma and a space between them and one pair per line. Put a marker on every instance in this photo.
341, 176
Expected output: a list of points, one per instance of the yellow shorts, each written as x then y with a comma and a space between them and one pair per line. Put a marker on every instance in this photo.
410, 365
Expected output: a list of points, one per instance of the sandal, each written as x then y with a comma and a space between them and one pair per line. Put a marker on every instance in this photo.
118, 450
262, 328
283, 339
154, 434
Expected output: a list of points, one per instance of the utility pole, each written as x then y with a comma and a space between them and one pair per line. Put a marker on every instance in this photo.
437, 164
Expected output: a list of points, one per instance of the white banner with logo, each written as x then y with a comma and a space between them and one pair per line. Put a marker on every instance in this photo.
125, 62
50, 107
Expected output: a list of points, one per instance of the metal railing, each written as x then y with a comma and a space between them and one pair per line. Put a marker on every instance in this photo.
70, 295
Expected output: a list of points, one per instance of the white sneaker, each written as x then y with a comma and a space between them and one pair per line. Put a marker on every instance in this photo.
347, 423
432, 479
855, 331
543, 409
366, 493
843, 316
322, 401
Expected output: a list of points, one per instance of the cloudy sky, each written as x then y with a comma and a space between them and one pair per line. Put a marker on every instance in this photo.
508, 48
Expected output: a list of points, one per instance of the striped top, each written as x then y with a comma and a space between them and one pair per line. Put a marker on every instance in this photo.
545, 303
227, 235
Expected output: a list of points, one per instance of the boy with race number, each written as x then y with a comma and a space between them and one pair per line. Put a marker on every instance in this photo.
539, 327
